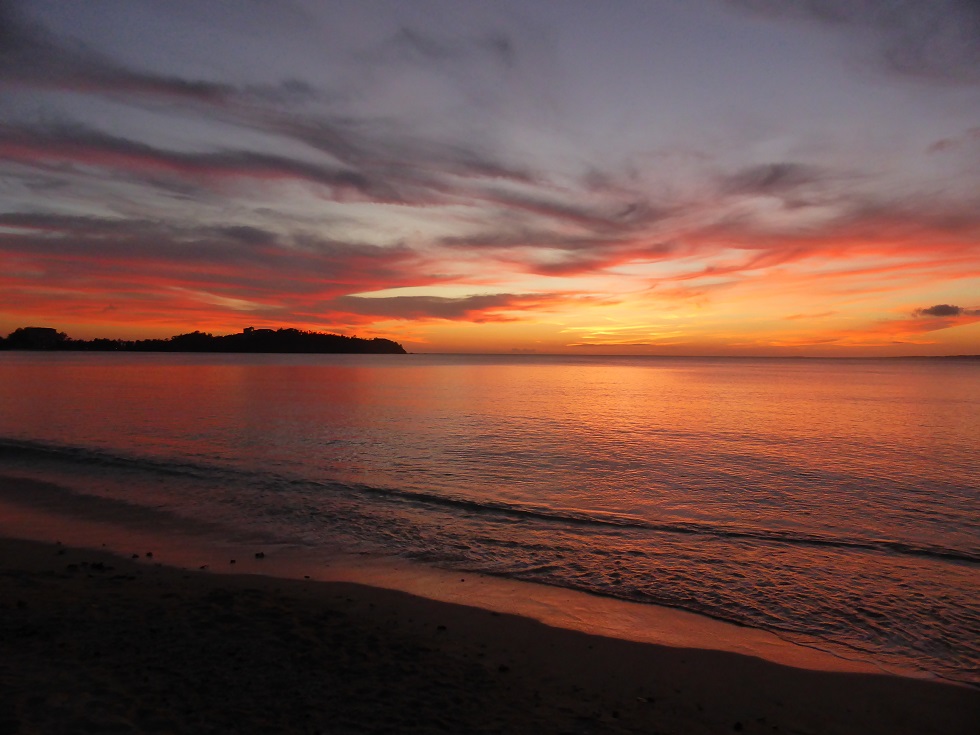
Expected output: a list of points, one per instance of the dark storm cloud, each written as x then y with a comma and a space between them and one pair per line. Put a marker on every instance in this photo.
971, 136
589, 217
31, 54
376, 159
415, 45
42, 234
413, 170
876, 219
524, 219
938, 39
503, 47
943, 310
851, 213
364, 159
569, 239
771, 179
241, 259
554, 253
74, 143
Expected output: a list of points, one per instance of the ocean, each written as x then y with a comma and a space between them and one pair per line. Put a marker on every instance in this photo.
833, 502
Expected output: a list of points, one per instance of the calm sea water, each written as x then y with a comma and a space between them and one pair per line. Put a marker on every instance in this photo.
832, 501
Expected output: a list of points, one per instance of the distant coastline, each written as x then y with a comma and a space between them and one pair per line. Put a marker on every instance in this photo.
282, 340
289, 340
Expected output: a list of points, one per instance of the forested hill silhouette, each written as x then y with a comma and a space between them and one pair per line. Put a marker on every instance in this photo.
251, 340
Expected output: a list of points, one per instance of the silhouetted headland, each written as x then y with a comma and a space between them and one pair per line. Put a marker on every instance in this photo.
250, 340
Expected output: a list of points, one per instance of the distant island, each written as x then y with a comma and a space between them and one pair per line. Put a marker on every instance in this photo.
250, 340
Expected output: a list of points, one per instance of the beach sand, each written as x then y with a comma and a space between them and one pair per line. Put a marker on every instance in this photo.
96, 643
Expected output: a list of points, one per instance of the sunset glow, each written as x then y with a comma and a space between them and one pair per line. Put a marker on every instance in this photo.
714, 177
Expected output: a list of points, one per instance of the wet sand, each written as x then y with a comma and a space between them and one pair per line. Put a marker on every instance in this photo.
96, 643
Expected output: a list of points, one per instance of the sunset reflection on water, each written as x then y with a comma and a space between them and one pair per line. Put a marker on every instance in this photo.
827, 499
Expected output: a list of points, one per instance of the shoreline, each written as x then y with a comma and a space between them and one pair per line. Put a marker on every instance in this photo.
556, 607
94, 642
29, 510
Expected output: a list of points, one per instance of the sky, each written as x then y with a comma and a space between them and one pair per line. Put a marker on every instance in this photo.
666, 177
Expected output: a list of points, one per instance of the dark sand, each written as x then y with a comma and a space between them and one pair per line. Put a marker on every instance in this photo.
92, 643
